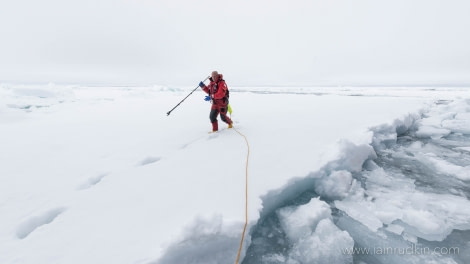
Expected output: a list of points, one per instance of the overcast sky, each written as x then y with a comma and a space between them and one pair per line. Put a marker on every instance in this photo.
264, 42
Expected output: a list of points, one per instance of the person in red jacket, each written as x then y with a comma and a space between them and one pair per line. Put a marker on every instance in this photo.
217, 92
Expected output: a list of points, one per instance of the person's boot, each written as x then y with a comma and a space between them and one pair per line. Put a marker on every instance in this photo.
230, 125
215, 126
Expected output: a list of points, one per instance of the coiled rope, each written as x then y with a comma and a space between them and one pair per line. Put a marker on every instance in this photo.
246, 197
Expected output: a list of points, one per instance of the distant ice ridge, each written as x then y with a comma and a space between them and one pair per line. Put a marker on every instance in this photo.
402, 199
28, 97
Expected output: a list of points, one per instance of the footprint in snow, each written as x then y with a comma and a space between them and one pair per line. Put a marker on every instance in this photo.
31, 224
213, 135
149, 160
92, 181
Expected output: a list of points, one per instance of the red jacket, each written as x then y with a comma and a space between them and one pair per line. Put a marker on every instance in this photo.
217, 91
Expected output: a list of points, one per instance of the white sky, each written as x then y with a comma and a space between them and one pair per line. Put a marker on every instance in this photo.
262, 42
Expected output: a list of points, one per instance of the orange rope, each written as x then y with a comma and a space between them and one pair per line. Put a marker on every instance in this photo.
246, 198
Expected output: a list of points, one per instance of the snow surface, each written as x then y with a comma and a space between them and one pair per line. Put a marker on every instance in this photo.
103, 175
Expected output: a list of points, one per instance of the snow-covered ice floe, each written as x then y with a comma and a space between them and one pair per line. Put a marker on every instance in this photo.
338, 175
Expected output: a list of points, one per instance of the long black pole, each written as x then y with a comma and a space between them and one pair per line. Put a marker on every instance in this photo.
169, 112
